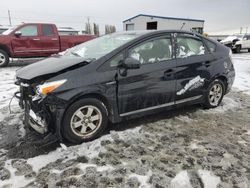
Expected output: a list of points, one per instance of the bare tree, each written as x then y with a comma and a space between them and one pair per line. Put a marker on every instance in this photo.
110, 29
96, 29
88, 28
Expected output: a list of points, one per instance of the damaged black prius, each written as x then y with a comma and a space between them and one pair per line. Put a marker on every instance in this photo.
120, 76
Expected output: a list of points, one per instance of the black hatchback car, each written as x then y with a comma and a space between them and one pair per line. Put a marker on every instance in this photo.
122, 75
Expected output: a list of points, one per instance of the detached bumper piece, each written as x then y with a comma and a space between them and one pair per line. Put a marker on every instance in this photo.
37, 123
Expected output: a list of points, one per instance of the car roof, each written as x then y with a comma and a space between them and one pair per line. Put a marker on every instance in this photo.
151, 32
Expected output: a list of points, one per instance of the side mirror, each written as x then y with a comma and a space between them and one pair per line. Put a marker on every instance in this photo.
131, 63
18, 33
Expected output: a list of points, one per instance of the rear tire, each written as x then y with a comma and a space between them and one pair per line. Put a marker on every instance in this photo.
4, 58
238, 49
84, 120
214, 94
249, 50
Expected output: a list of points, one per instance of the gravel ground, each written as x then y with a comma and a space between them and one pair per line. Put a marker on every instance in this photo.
188, 147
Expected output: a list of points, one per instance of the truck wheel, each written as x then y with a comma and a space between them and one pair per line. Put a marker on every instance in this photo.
214, 94
84, 121
249, 50
238, 49
4, 59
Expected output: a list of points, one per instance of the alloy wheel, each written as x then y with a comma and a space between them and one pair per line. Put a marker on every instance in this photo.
215, 94
2, 59
86, 121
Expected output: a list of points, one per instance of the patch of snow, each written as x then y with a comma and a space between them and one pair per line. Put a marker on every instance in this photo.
209, 179
142, 179
227, 104
14, 181
181, 180
242, 69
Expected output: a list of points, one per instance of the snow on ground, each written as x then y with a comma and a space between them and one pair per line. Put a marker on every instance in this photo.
184, 148
242, 67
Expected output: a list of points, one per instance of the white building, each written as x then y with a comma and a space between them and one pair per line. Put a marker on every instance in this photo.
150, 22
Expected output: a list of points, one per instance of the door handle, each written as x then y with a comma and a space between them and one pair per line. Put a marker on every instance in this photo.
169, 72
54, 39
207, 63
36, 39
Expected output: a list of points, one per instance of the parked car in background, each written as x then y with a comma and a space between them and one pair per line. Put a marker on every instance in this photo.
3, 28
237, 42
120, 76
35, 40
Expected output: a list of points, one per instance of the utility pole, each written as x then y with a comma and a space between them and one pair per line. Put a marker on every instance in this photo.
246, 29
241, 30
9, 18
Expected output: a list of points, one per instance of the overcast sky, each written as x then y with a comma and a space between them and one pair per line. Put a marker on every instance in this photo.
219, 15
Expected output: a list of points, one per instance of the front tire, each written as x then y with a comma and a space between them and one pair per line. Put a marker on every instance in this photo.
4, 58
84, 121
214, 94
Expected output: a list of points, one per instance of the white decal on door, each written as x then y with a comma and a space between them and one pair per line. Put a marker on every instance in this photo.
192, 84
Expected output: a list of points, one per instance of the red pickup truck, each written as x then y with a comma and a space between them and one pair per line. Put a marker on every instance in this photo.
35, 40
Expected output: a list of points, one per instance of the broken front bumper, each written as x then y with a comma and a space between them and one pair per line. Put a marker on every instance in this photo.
37, 123
35, 115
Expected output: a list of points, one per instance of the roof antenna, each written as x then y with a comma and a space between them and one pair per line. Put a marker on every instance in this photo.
182, 26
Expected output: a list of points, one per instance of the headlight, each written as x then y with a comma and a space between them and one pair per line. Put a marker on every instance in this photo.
48, 87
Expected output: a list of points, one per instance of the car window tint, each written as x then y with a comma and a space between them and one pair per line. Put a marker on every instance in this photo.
30, 30
47, 30
210, 45
152, 51
187, 46
114, 61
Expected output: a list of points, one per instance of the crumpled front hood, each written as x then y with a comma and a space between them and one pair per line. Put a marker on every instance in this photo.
49, 66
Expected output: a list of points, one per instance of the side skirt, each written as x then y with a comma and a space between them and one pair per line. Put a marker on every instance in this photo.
162, 105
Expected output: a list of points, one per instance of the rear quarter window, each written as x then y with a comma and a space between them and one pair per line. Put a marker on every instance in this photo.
210, 45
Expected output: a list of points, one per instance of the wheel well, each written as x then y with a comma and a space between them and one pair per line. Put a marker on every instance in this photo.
224, 80
5, 48
95, 96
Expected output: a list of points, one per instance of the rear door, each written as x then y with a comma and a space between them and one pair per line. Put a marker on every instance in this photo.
151, 86
28, 44
50, 43
194, 64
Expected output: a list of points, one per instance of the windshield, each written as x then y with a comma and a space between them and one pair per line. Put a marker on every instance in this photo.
99, 47
7, 32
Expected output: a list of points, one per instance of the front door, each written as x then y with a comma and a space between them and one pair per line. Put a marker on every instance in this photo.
151, 86
28, 44
193, 67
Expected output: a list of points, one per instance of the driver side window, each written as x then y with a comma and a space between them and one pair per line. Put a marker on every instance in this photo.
152, 51
29, 30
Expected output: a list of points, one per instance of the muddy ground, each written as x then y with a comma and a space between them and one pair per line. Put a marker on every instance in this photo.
148, 152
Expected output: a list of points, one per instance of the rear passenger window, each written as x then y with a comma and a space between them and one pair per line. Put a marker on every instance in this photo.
211, 45
187, 46
48, 30
152, 51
